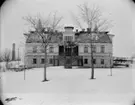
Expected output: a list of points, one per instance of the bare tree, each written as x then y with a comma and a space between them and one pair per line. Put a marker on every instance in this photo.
45, 29
92, 18
1, 58
7, 57
94, 21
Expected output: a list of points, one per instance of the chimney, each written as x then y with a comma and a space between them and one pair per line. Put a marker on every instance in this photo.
13, 52
56, 31
83, 30
88, 29
76, 30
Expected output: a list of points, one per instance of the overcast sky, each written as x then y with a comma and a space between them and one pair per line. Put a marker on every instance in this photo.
120, 11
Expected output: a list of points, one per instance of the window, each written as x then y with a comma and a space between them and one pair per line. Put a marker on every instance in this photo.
51, 61
85, 61
94, 61
94, 48
51, 49
42, 61
102, 48
68, 38
34, 61
34, 49
85, 49
68, 51
42, 50
102, 61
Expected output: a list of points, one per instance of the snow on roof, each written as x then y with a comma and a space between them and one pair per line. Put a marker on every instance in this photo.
102, 38
82, 37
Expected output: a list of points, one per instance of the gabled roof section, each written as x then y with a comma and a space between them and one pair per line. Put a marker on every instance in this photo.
101, 37
32, 37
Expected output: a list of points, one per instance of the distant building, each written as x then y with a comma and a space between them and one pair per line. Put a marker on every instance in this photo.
79, 55
122, 61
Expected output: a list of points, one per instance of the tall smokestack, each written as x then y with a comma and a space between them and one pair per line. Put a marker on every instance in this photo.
13, 52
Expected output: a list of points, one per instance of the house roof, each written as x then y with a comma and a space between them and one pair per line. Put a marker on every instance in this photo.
84, 37
81, 37
32, 37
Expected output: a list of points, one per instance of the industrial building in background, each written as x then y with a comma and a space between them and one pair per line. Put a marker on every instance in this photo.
13, 52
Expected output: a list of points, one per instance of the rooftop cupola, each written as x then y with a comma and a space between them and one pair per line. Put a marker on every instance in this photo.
68, 34
69, 28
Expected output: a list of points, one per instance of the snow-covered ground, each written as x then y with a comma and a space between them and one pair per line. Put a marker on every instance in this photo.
69, 87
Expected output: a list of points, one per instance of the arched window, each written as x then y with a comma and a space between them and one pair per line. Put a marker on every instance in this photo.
94, 48
51, 49
102, 61
94, 61
85, 61
42, 50
42, 61
102, 48
34, 60
35, 49
51, 61
85, 49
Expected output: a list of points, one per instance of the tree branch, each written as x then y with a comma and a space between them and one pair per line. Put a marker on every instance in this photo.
92, 17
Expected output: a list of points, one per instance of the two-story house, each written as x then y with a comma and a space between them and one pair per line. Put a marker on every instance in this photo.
70, 48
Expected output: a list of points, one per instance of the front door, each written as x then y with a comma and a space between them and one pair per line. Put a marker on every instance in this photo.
68, 62
67, 55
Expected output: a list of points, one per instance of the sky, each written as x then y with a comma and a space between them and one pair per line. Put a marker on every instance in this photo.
121, 12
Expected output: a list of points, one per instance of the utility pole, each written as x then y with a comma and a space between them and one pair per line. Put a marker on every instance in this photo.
110, 65
24, 73
18, 57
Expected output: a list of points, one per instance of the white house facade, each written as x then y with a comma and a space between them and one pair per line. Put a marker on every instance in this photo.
60, 53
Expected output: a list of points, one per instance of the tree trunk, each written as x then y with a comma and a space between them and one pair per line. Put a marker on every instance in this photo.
71, 56
7, 65
45, 64
92, 66
64, 55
